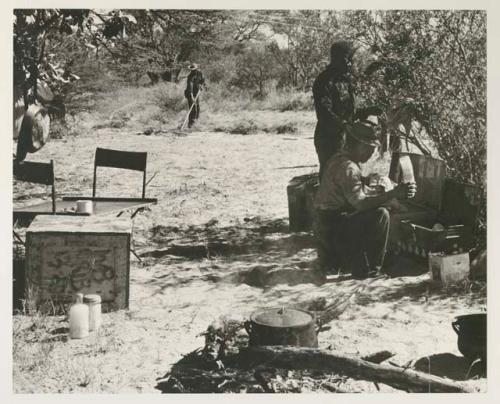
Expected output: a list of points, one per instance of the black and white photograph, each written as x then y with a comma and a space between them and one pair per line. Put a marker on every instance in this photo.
248, 200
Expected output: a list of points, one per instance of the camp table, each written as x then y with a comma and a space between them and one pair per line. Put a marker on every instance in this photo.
67, 206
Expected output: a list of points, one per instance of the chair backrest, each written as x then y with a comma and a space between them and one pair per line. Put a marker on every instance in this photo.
38, 173
120, 159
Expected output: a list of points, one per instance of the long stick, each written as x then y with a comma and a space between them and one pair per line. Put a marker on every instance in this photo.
312, 358
192, 105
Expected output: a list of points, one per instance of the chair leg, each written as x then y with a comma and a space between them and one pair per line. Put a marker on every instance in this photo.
144, 185
53, 189
131, 217
141, 209
94, 184
18, 237
135, 254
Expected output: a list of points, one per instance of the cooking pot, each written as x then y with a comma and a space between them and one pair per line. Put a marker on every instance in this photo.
471, 331
282, 326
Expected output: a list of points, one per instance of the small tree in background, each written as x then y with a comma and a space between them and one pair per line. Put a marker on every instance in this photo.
309, 35
254, 70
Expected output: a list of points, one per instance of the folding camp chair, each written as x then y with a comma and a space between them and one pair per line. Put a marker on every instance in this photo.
125, 160
38, 173
120, 159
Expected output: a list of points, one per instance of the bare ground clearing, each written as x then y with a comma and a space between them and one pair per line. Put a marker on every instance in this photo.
217, 244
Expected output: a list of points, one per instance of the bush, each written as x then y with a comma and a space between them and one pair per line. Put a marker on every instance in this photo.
290, 127
169, 97
295, 101
239, 127
433, 62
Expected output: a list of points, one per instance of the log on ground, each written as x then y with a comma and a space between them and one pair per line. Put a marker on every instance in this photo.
312, 358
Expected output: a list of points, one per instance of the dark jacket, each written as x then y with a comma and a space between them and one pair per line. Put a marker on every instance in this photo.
334, 103
194, 82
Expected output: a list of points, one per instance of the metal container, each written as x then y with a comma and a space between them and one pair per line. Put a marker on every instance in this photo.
282, 326
424, 236
300, 193
471, 331
83, 206
449, 269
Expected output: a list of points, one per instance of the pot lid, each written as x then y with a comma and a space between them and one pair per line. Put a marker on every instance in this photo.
282, 317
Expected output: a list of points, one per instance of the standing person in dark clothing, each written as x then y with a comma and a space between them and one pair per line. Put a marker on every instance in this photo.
335, 103
195, 81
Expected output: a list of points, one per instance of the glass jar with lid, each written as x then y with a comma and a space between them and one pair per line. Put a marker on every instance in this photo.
94, 304
79, 318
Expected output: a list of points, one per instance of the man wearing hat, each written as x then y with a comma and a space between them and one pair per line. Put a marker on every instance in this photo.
334, 101
195, 81
351, 223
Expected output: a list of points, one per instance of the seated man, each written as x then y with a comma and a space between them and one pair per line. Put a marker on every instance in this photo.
352, 224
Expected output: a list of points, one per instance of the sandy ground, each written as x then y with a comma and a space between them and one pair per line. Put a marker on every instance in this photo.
217, 244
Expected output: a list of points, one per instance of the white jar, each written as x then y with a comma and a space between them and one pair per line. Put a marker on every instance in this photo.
94, 304
79, 318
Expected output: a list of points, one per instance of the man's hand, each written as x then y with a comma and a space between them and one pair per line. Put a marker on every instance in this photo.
406, 191
373, 179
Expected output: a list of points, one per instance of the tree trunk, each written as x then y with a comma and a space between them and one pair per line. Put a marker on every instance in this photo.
311, 358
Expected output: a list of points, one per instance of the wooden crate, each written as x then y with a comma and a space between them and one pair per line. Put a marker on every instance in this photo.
66, 255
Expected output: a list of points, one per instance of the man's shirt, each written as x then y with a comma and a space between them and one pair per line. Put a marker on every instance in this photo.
341, 186
194, 82
333, 99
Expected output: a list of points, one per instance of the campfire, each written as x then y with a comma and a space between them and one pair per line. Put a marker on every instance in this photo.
276, 351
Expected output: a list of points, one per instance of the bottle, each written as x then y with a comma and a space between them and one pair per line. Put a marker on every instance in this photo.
79, 318
94, 304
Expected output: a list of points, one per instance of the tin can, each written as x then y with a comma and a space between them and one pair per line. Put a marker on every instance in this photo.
84, 206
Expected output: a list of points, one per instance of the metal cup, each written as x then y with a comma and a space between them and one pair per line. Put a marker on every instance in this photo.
84, 207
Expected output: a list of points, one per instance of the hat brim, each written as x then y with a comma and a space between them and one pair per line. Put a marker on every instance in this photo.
374, 143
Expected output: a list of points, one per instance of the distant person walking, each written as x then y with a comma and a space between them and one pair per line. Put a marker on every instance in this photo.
194, 84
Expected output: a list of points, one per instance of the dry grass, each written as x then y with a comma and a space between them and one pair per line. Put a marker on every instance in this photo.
163, 107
